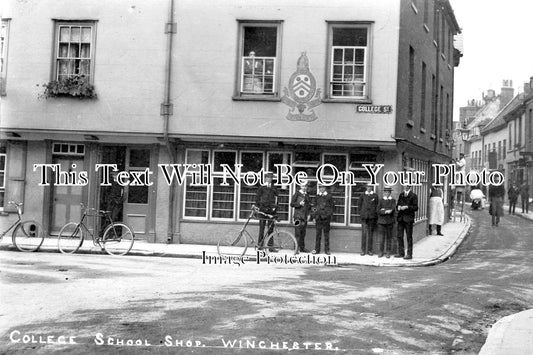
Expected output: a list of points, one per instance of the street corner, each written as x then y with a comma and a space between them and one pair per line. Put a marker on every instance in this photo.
512, 334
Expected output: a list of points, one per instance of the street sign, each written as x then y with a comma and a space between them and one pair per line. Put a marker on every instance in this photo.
373, 108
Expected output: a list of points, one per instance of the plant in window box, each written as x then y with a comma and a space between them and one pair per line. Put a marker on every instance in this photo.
75, 86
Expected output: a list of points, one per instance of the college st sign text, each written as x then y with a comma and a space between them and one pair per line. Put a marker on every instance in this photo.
373, 108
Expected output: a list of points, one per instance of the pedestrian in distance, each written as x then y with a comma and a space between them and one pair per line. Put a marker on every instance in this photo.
267, 201
406, 207
460, 165
302, 205
524, 196
368, 210
386, 211
512, 194
461, 162
324, 206
436, 209
496, 195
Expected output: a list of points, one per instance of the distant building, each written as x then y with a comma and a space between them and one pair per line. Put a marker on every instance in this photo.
476, 149
520, 138
527, 152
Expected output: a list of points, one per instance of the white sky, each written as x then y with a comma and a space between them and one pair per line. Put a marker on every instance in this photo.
497, 45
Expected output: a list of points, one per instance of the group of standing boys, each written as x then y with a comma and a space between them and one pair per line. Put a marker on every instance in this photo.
374, 211
321, 210
382, 212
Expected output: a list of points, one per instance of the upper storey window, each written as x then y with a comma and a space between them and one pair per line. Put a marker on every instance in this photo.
74, 50
259, 59
349, 61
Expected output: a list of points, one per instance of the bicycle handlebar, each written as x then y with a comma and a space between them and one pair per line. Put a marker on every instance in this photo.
255, 209
91, 209
18, 206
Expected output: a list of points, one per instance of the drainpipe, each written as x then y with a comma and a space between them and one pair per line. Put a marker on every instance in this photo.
166, 112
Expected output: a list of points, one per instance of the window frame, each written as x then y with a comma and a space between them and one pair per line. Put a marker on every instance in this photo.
239, 79
3, 170
366, 98
207, 188
218, 174
347, 189
242, 184
360, 183
58, 23
4, 55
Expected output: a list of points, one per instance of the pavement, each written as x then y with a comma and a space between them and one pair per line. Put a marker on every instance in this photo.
510, 335
430, 250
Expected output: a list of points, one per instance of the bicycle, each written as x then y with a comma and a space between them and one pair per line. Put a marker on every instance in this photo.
27, 235
117, 238
277, 242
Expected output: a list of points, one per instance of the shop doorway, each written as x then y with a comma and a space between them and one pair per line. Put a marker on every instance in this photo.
127, 203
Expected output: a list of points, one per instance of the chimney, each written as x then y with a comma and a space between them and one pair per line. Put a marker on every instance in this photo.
507, 93
527, 88
491, 94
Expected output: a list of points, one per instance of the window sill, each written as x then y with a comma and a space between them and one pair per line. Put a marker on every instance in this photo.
449, 67
256, 98
435, 44
426, 28
410, 123
413, 6
433, 137
443, 56
347, 101
441, 140
423, 130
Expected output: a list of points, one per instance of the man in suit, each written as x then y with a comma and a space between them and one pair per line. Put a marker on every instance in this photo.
324, 212
386, 210
406, 207
368, 204
267, 201
301, 203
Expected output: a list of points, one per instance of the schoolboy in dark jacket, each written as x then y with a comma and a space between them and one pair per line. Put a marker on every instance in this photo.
324, 212
368, 204
386, 212
301, 203
406, 207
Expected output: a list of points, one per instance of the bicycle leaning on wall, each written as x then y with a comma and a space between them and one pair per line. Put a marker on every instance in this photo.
117, 238
28, 235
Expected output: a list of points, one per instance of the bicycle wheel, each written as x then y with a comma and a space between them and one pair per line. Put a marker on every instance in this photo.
28, 236
70, 238
233, 244
281, 242
118, 239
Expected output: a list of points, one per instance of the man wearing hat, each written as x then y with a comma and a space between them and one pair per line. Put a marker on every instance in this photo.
386, 210
324, 211
301, 204
406, 208
267, 201
368, 204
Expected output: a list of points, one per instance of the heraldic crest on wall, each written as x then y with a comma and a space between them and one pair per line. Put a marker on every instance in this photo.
302, 95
